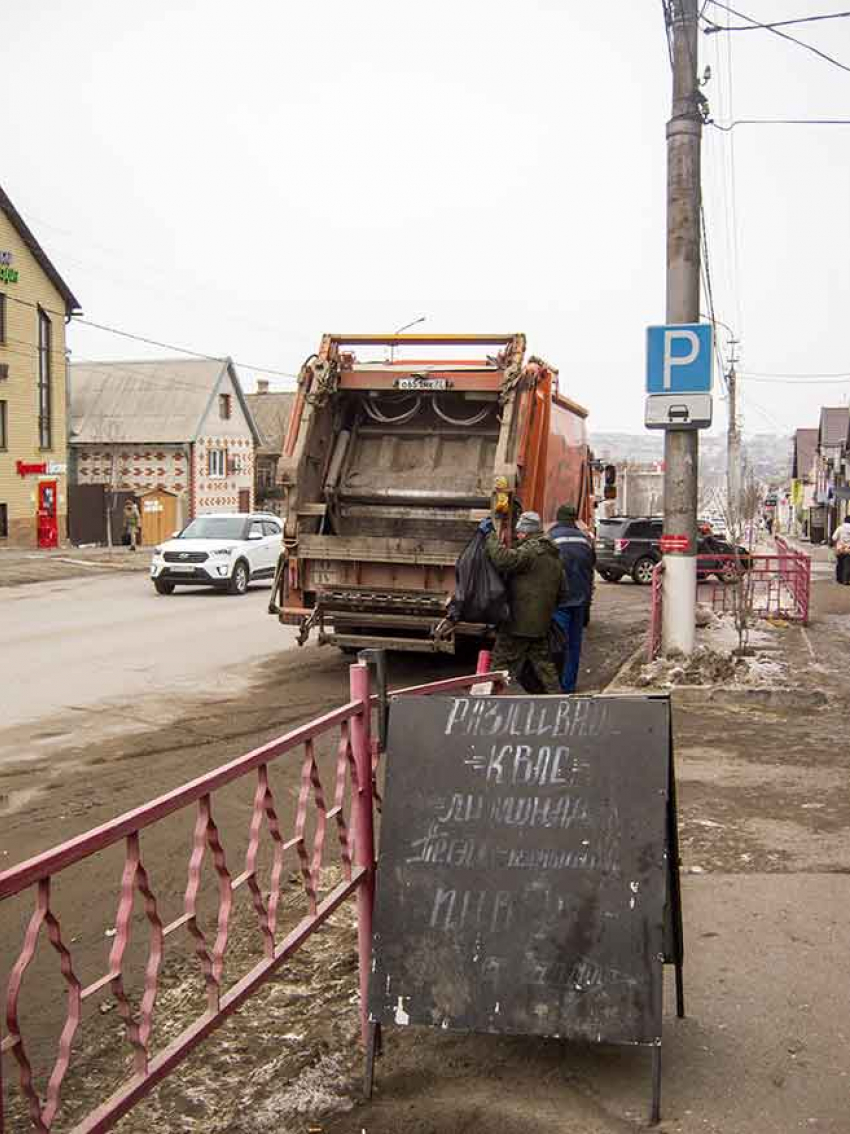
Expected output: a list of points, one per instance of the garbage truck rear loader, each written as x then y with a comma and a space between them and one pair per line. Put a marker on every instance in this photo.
389, 465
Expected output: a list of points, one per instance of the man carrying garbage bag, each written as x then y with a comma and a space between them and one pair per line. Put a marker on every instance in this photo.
536, 587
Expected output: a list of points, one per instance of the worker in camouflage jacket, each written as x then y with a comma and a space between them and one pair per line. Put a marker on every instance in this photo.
536, 587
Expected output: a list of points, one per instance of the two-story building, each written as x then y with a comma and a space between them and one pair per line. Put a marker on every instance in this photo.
175, 433
35, 304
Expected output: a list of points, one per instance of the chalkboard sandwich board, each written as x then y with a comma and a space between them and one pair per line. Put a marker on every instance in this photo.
528, 874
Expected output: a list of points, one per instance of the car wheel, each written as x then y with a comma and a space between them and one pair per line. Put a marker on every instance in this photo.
731, 573
163, 587
642, 571
609, 576
238, 584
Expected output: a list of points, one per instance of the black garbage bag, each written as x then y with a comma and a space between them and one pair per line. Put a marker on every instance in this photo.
480, 594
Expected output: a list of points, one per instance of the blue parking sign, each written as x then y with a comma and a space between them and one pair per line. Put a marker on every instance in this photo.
679, 359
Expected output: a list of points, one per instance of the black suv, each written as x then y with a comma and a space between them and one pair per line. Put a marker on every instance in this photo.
628, 545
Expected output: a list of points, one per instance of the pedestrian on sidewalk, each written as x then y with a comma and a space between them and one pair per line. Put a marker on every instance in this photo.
132, 523
841, 539
536, 587
578, 557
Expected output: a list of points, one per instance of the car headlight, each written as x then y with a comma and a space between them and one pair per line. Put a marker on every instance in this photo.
221, 551
157, 551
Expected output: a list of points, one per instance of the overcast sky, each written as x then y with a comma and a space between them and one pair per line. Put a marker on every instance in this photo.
240, 178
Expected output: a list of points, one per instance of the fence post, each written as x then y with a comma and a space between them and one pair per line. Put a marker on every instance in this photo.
364, 833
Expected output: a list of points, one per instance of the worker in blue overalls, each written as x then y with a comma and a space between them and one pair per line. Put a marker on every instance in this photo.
578, 557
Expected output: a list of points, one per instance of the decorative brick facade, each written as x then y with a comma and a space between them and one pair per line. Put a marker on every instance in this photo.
221, 493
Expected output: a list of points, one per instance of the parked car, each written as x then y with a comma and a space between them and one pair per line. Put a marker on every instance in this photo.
222, 551
715, 559
629, 545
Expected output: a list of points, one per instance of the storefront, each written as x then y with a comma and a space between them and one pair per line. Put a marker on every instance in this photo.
35, 304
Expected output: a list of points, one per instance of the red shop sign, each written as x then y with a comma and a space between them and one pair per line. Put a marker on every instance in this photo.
30, 470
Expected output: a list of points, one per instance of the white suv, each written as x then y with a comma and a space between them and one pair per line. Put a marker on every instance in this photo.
223, 551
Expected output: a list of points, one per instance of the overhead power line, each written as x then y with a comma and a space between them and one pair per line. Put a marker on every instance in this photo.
665, 5
775, 31
153, 342
771, 24
797, 379
730, 126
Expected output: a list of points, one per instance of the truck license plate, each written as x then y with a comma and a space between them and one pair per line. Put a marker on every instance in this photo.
423, 383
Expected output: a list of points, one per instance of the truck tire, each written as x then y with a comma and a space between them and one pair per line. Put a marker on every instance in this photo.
163, 587
239, 579
642, 570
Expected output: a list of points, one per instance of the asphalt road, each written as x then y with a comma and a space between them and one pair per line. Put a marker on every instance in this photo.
110, 654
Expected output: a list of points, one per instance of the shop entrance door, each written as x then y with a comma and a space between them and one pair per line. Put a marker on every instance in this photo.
48, 521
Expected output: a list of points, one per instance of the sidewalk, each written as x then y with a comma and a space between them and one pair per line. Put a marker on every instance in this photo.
19, 566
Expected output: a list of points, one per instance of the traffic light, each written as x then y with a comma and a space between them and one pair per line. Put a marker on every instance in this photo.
610, 492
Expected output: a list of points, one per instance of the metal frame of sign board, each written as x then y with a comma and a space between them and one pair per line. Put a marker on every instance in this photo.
678, 411
672, 927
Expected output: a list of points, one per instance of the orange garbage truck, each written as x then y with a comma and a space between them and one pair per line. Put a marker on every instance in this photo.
389, 465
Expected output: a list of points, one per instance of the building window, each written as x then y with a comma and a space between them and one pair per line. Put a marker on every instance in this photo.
224, 408
4, 437
217, 462
4, 371
2, 317
4, 521
45, 423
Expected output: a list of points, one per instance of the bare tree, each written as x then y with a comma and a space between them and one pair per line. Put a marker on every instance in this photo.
740, 514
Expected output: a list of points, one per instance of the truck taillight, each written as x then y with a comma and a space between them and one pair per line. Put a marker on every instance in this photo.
620, 545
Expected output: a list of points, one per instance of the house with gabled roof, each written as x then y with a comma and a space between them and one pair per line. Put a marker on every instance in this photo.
176, 426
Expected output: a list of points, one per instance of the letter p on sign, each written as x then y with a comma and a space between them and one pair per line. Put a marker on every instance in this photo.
690, 355
679, 359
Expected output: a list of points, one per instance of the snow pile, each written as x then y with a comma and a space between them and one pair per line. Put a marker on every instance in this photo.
715, 660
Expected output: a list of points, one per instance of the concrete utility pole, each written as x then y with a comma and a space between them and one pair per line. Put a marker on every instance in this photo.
681, 446
733, 444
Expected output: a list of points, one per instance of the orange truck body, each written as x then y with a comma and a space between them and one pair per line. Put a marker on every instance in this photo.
389, 465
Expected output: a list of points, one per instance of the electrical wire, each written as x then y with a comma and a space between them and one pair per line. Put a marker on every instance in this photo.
807, 380
775, 31
733, 196
705, 268
668, 20
729, 127
149, 341
769, 26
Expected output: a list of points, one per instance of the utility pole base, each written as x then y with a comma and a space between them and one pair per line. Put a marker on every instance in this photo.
678, 630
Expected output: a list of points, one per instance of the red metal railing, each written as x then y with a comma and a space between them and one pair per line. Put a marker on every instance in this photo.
350, 813
775, 586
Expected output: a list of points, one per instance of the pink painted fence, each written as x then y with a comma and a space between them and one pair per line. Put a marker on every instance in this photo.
778, 586
349, 816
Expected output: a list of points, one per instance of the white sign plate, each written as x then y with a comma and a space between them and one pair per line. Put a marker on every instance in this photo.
678, 411
423, 383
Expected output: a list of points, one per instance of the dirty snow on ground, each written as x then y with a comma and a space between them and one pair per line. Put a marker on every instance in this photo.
714, 661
